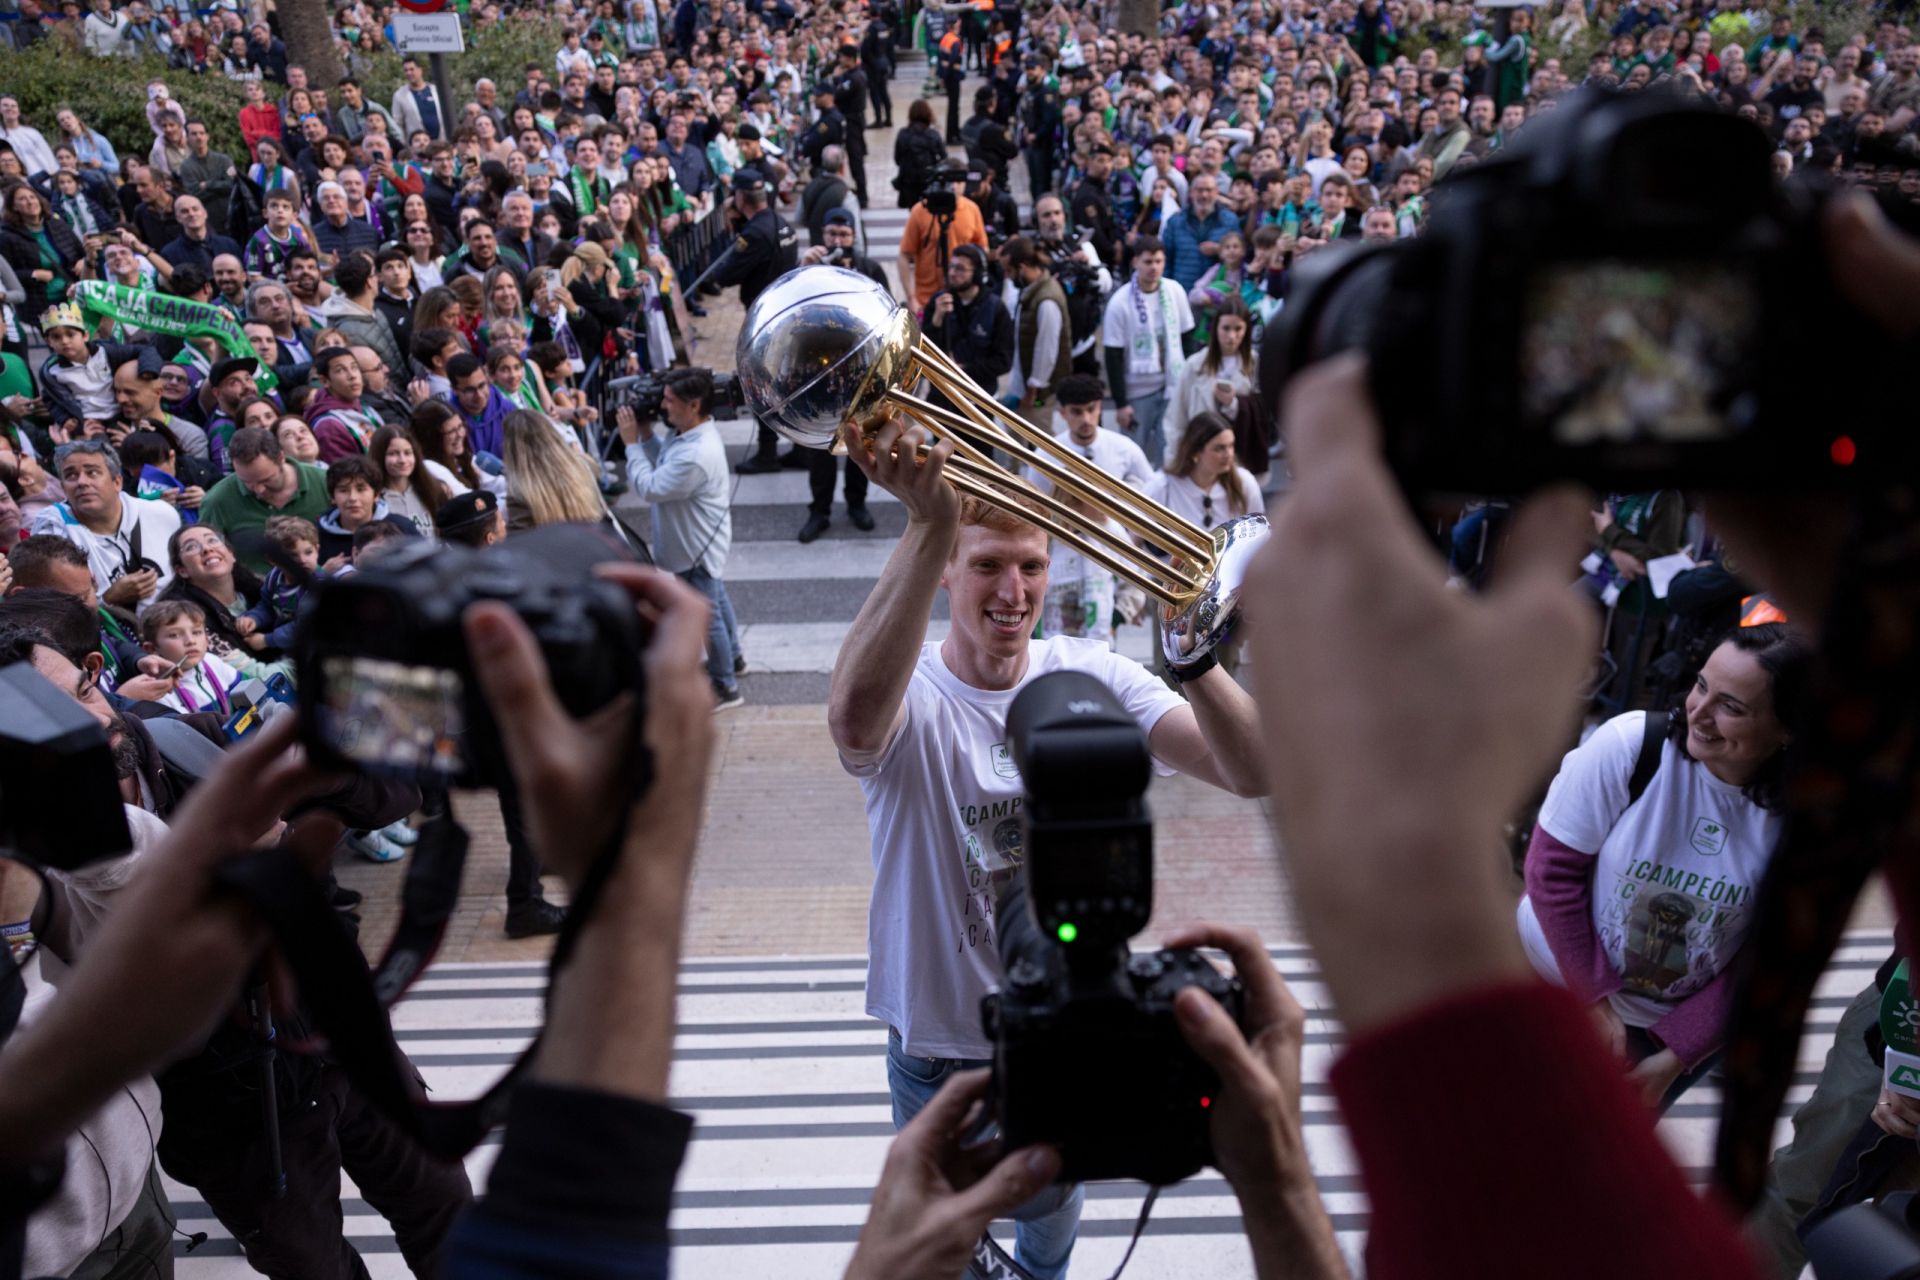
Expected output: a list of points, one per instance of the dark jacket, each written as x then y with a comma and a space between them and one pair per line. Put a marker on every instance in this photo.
917, 153
825, 192
182, 252
586, 331
978, 336
988, 146
356, 236
606, 312
22, 252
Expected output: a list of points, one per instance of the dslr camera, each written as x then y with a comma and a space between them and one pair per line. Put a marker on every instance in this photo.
642, 394
1086, 1053
383, 664
943, 190
1624, 297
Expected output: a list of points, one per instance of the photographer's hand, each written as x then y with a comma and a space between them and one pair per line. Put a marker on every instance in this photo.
1366, 704
934, 1199
892, 462
1655, 1074
610, 1019
1257, 1139
172, 954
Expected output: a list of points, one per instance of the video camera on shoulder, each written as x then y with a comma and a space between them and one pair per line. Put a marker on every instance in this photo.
383, 663
1624, 297
1086, 1053
642, 393
941, 197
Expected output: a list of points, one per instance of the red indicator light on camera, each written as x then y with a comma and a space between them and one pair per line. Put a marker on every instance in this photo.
1205, 1103
1843, 451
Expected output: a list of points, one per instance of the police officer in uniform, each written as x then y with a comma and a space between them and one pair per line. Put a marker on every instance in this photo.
765, 249
828, 129
850, 99
1093, 206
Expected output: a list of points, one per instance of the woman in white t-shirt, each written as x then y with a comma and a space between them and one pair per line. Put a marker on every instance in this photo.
1641, 905
1203, 482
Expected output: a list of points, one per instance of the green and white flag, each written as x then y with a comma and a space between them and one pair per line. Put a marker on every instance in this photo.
175, 317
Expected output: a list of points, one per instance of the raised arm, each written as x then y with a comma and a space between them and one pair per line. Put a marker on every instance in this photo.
1215, 737
866, 702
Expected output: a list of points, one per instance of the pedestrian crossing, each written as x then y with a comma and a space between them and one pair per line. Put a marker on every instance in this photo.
786, 1080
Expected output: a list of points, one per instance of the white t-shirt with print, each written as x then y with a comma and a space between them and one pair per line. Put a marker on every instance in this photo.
943, 807
1674, 887
1122, 327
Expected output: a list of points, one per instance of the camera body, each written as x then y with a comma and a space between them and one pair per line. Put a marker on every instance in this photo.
59, 790
383, 663
941, 195
1624, 297
1087, 1055
642, 394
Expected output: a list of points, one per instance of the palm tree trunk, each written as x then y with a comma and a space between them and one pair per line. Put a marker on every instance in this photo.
308, 31
1137, 17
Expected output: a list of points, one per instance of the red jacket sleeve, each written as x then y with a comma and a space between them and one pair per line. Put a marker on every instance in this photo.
1499, 1141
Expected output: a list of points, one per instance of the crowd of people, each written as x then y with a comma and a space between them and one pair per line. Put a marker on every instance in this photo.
225, 377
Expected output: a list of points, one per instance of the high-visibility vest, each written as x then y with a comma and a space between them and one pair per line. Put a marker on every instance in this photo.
1758, 610
1001, 48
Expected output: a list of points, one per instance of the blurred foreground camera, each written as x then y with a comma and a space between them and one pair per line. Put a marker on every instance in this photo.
1624, 297
383, 663
59, 791
1086, 1053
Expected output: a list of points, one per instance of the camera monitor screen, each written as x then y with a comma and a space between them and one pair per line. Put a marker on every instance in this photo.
394, 717
1615, 351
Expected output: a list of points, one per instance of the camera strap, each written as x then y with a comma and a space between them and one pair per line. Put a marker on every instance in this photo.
1852, 805
348, 1002
991, 1262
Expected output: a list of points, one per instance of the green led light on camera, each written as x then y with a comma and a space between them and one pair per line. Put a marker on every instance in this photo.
1068, 931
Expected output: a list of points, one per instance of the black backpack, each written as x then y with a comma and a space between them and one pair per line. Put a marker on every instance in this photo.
1653, 735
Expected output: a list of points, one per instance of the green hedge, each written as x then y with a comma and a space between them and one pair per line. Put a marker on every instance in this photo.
111, 95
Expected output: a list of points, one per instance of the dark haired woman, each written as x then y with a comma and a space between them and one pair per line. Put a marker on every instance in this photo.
1640, 903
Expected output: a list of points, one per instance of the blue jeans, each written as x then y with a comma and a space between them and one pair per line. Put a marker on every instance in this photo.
1149, 412
723, 633
1048, 1224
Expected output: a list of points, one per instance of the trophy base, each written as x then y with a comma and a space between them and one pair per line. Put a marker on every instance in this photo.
1194, 630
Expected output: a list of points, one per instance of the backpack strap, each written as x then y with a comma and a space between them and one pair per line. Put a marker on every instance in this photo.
1648, 762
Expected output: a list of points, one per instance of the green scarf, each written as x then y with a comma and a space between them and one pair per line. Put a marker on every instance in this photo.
175, 317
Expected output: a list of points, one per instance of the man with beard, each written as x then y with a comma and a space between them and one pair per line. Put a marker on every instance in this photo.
304, 282
1799, 92
136, 391
230, 283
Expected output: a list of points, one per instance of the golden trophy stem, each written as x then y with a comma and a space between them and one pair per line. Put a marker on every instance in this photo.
971, 459
1003, 491
1080, 477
